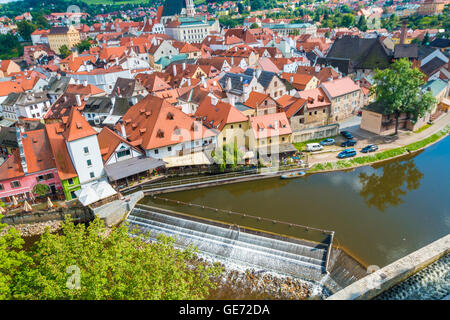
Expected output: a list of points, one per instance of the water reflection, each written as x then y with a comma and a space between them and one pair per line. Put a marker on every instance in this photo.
388, 189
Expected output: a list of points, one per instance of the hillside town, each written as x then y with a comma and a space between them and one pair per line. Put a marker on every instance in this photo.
224, 150
97, 104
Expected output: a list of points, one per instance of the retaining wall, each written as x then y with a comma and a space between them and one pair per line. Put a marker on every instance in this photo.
385, 278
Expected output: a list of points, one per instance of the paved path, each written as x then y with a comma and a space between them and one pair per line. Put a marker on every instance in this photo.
384, 142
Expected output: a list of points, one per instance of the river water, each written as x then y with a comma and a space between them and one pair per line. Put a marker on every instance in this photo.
379, 213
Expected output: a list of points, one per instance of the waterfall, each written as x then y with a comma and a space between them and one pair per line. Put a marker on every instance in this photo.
229, 244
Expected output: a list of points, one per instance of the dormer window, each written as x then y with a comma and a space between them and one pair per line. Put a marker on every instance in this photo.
169, 116
160, 133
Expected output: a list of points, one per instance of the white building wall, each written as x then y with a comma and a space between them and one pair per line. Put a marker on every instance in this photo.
123, 147
79, 158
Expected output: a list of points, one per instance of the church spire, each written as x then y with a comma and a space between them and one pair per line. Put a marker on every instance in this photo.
190, 11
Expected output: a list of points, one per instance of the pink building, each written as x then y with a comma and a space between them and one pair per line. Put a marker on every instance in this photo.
29, 165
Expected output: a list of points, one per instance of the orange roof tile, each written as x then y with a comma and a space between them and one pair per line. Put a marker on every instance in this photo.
62, 159
219, 115
77, 127
166, 125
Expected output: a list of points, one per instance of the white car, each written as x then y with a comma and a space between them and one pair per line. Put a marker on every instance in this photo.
314, 147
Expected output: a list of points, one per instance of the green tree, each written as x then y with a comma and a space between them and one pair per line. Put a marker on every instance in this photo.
90, 263
13, 260
426, 39
10, 46
348, 20
83, 45
41, 189
41, 22
398, 89
254, 26
362, 24
64, 51
25, 29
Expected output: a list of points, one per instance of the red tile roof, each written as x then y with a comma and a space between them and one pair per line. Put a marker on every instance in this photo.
62, 159
77, 127
162, 124
219, 115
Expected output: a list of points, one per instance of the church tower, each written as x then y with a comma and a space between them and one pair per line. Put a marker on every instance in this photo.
190, 11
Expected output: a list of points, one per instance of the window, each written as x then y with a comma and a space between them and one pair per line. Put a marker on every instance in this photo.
49, 176
123, 153
70, 181
156, 151
73, 195
240, 126
169, 149
89, 162
282, 139
91, 174
86, 150
15, 184
2, 187
231, 126
324, 110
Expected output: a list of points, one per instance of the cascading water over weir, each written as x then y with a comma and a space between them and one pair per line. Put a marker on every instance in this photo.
235, 245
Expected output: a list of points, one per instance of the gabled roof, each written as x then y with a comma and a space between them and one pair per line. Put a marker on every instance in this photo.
218, 115
255, 99
152, 82
154, 123
339, 87
36, 147
270, 125
58, 146
264, 78
77, 127
316, 98
364, 53
406, 51
108, 141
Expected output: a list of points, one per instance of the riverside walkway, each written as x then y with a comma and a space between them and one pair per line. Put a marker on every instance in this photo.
218, 179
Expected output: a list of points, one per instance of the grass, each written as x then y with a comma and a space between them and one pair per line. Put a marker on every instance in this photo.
424, 127
384, 155
302, 145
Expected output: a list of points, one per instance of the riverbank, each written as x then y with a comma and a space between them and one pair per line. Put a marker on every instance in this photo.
381, 156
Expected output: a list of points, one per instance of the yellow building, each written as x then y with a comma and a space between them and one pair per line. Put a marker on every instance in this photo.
60, 36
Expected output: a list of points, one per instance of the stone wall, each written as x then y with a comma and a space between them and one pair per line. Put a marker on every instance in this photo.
385, 278
79, 214
315, 133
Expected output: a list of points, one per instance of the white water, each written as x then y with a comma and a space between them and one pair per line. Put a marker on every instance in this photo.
237, 250
431, 283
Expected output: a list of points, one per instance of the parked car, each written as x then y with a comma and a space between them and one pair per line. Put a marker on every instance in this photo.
346, 134
348, 143
313, 147
347, 153
369, 148
328, 142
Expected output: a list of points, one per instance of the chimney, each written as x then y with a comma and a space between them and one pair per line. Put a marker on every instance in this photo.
122, 129
78, 100
291, 79
58, 76
174, 68
231, 99
184, 66
117, 61
84, 83
258, 72
403, 33
317, 68
276, 125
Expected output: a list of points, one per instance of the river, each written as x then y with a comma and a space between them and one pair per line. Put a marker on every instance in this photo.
379, 213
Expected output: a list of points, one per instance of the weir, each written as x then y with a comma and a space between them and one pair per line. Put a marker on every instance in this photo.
227, 243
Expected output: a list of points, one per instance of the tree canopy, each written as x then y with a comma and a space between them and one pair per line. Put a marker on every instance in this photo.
90, 263
398, 89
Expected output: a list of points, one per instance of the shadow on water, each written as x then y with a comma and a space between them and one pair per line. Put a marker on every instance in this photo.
389, 188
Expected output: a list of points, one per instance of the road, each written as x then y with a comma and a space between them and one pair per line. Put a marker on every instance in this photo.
364, 138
